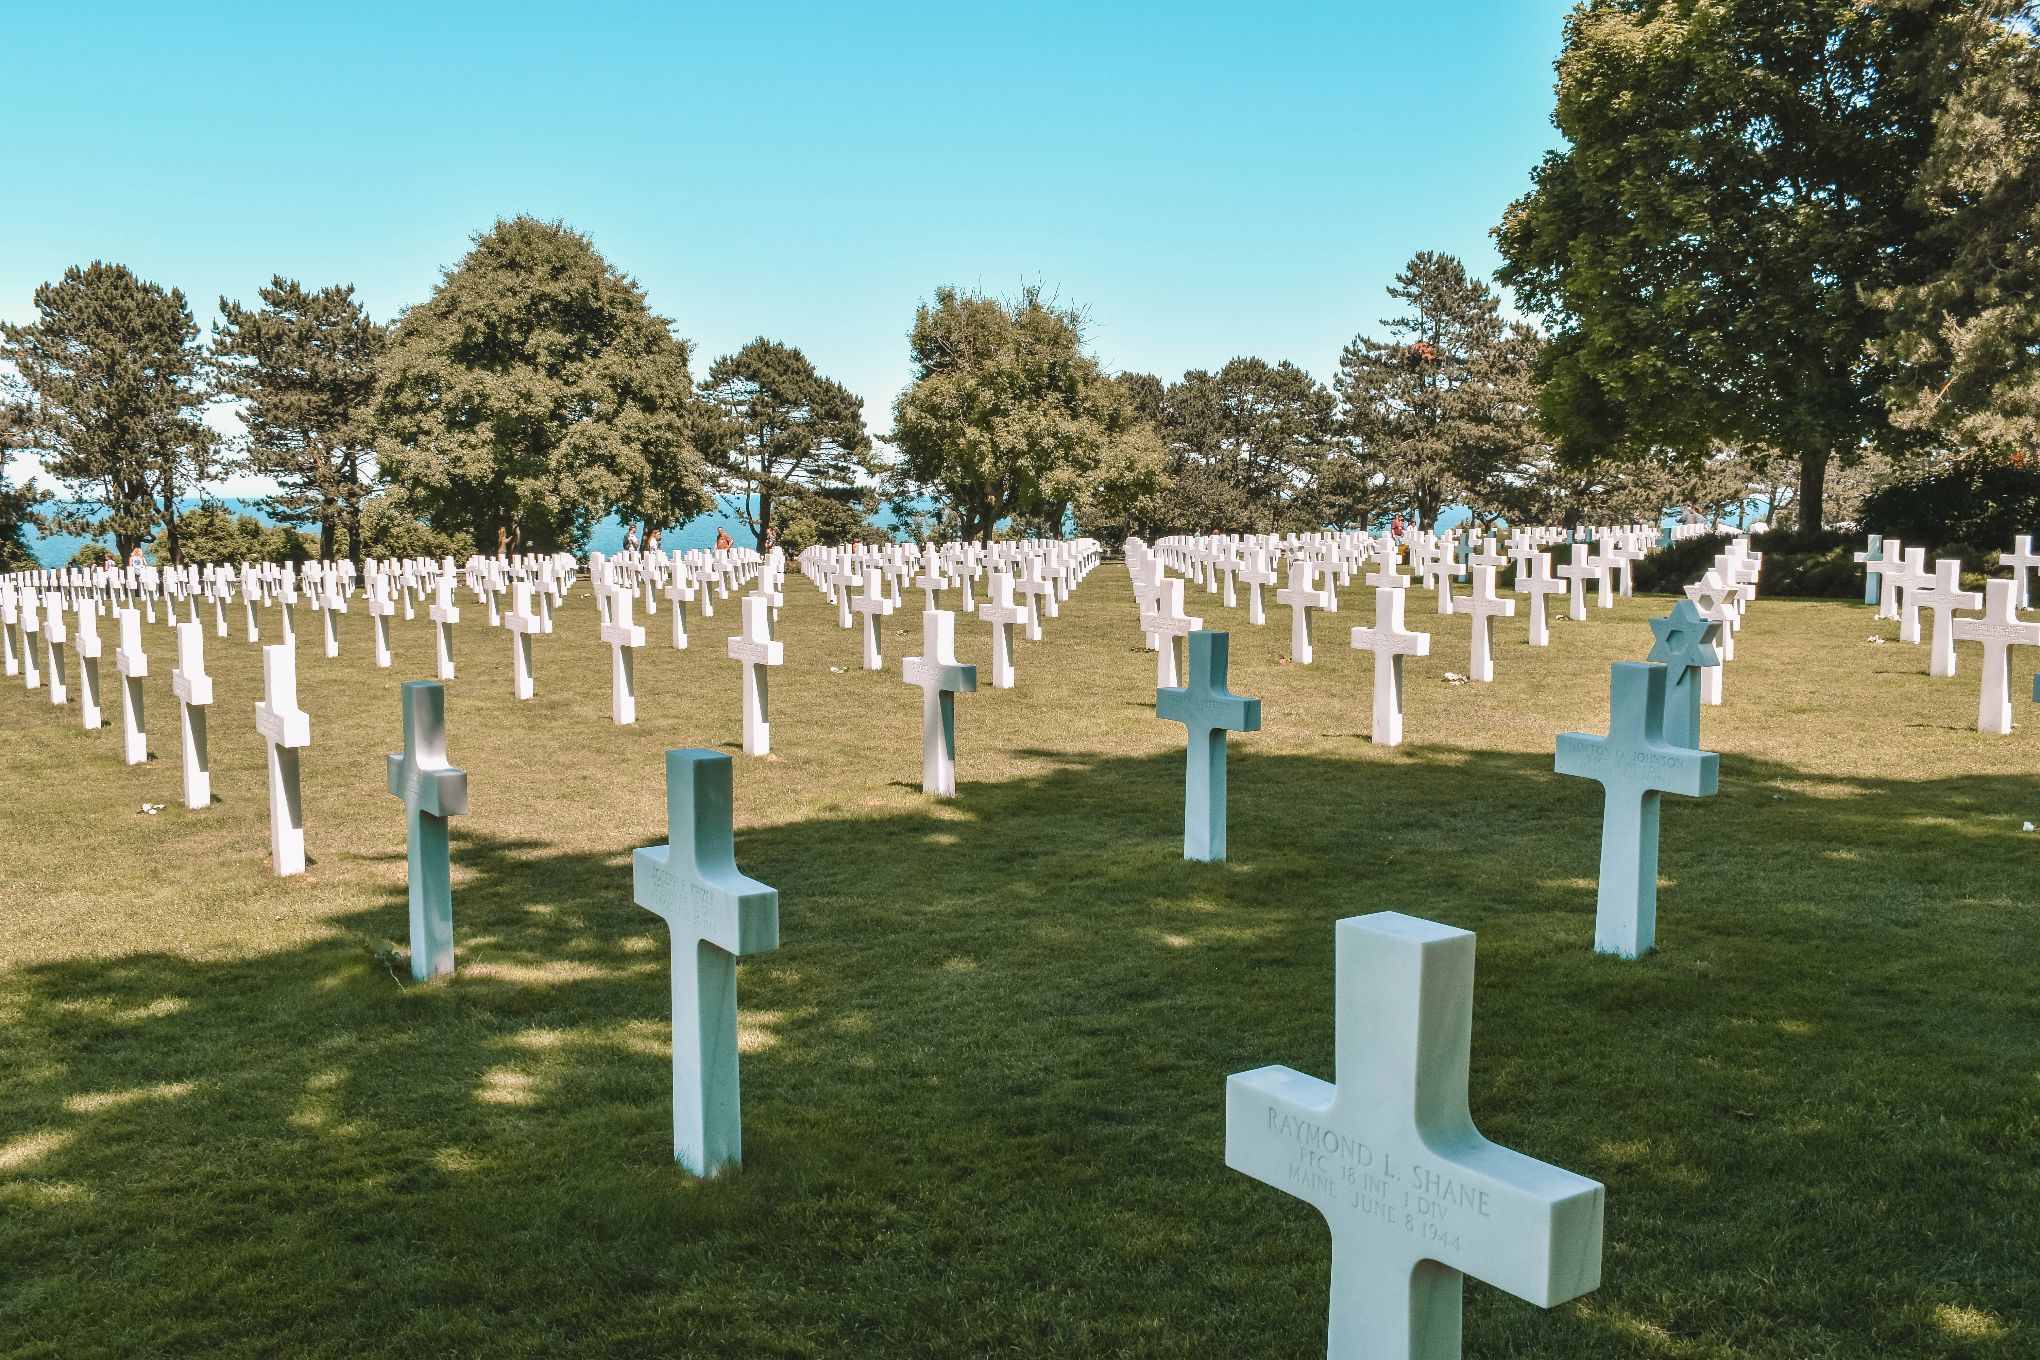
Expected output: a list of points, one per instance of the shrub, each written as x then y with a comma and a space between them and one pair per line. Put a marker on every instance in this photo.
1969, 508
1817, 565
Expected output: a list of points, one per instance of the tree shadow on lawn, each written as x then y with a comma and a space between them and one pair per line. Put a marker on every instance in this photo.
984, 1084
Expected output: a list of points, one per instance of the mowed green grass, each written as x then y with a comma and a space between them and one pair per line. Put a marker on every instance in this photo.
984, 1073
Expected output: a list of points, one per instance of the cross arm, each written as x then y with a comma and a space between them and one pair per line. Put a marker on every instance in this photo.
442, 793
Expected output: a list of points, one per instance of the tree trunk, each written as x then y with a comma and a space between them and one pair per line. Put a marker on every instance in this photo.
354, 532
171, 540
1813, 465
328, 531
764, 517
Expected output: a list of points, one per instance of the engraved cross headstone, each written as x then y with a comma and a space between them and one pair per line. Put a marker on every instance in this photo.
86, 643
1999, 630
1577, 573
1940, 598
1873, 552
444, 614
56, 641
1414, 1196
1002, 614
133, 664
1169, 625
874, 604
624, 638
524, 625
1483, 604
1301, 597
2020, 560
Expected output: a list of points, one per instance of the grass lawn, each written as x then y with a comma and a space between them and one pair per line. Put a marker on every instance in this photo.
984, 1074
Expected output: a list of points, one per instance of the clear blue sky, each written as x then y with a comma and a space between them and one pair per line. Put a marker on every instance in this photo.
1205, 180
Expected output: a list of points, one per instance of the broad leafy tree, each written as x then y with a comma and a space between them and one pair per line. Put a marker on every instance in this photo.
1443, 408
110, 377
1737, 186
1006, 416
535, 392
1250, 447
776, 428
304, 366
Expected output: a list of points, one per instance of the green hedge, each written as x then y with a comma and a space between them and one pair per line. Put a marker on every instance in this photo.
1818, 566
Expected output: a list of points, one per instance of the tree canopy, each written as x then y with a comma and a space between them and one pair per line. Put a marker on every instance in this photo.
1443, 410
780, 430
1963, 344
304, 366
109, 376
1738, 182
535, 392
1007, 417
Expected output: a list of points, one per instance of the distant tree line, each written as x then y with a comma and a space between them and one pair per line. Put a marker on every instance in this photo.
1787, 254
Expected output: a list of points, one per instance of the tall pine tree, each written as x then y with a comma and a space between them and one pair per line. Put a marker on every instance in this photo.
782, 431
304, 363
1443, 407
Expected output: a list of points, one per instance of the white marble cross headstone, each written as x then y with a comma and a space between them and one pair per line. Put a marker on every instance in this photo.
1169, 625
1257, 573
1538, 582
624, 638
382, 607
1999, 630
1301, 597
940, 677
679, 593
194, 691
133, 664
86, 643
757, 649
874, 604
1940, 597
2020, 560
716, 914
31, 637
523, 625
1482, 605
444, 613
1390, 642
56, 640
286, 729
1002, 614
1577, 573
1414, 1196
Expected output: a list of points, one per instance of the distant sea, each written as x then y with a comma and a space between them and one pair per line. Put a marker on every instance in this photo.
54, 550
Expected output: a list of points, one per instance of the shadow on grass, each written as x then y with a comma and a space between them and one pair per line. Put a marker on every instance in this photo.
984, 1084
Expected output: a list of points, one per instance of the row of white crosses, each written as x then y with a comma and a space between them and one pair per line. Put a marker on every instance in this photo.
868, 580
1316, 565
1904, 588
